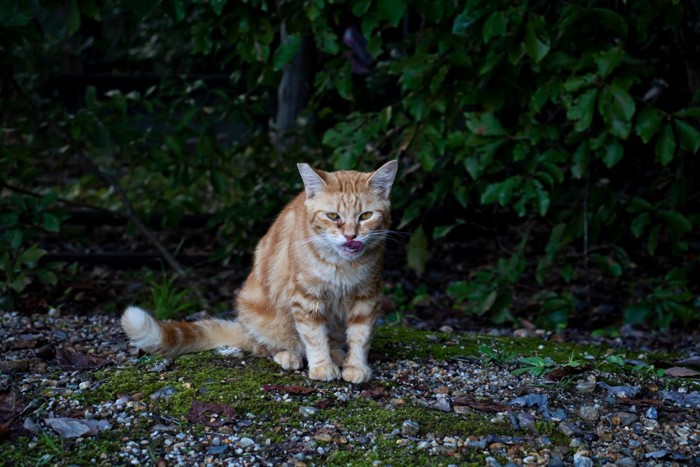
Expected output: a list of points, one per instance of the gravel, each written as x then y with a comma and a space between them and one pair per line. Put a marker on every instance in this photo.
634, 423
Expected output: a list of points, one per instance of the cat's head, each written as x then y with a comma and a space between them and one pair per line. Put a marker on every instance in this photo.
348, 211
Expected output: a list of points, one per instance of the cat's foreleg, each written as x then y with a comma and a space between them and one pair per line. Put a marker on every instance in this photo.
312, 329
359, 323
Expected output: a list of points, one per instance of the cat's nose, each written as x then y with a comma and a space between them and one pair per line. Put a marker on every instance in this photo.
349, 238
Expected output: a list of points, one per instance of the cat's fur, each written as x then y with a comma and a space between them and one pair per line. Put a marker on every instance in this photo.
315, 288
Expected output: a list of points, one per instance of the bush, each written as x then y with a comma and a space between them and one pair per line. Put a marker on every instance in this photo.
576, 123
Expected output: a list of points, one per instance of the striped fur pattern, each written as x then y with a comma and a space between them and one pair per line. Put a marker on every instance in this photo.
315, 289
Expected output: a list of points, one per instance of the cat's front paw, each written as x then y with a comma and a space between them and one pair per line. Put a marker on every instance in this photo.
324, 372
288, 360
357, 374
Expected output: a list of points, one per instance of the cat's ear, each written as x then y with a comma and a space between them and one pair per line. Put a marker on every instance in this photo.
313, 183
383, 178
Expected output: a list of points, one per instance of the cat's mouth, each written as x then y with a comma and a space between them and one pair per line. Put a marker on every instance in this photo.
352, 248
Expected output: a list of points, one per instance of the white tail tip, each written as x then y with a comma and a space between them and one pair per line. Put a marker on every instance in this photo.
143, 330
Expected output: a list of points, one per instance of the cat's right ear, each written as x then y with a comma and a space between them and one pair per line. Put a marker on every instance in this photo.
313, 183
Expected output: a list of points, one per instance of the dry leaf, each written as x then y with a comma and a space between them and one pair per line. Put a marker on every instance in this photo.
69, 360
199, 410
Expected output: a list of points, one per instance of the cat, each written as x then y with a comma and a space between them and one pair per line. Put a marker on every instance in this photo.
315, 288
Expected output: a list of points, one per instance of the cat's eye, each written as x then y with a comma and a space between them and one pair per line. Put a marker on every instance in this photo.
332, 216
365, 215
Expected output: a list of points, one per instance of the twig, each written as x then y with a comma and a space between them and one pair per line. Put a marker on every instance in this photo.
107, 177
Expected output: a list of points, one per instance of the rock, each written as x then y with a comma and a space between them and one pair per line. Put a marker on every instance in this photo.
620, 391
31, 426
442, 405
75, 428
363, 440
589, 413
410, 428
246, 442
556, 462
585, 386
525, 420
569, 429
626, 462
164, 393
307, 411
545, 441
461, 409
447, 329
323, 437
478, 444
582, 461
216, 450
623, 418
652, 413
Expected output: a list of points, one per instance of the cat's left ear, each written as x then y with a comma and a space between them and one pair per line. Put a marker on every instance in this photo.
383, 178
313, 183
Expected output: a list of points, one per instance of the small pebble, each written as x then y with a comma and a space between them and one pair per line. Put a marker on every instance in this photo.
410, 428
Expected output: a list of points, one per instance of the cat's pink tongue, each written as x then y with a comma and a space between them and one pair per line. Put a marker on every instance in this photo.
353, 245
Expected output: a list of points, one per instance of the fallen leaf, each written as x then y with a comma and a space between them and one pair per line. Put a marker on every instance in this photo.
481, 406
199, 410
680, 372
375, 393
294, 390
69, 360
560, 373
9, 366
25, 341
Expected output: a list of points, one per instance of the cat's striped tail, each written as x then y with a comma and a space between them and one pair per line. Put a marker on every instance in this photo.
173, 338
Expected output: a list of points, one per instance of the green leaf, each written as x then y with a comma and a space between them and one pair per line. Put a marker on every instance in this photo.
31, 256
443, 230
688, 136
653, 240
16, 239
580, 161
73, 19
640, 223
484, 124
51, 222
47, 277
582, 110
648, 123
218, 181
426, 157
418, 251
286, 51
542, 198
613, 154
217, 6
390, 10
19, 283
360, 7
637, 204
617, 107
466, 20
666, 145
677, 223
609, 60
494, 26
175, 9
536, 38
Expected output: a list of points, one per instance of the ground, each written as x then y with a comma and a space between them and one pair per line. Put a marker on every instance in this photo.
73, 393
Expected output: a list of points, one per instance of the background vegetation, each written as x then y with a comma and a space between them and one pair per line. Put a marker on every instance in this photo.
548, 149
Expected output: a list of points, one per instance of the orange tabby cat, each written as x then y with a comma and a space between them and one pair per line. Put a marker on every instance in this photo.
315, 288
